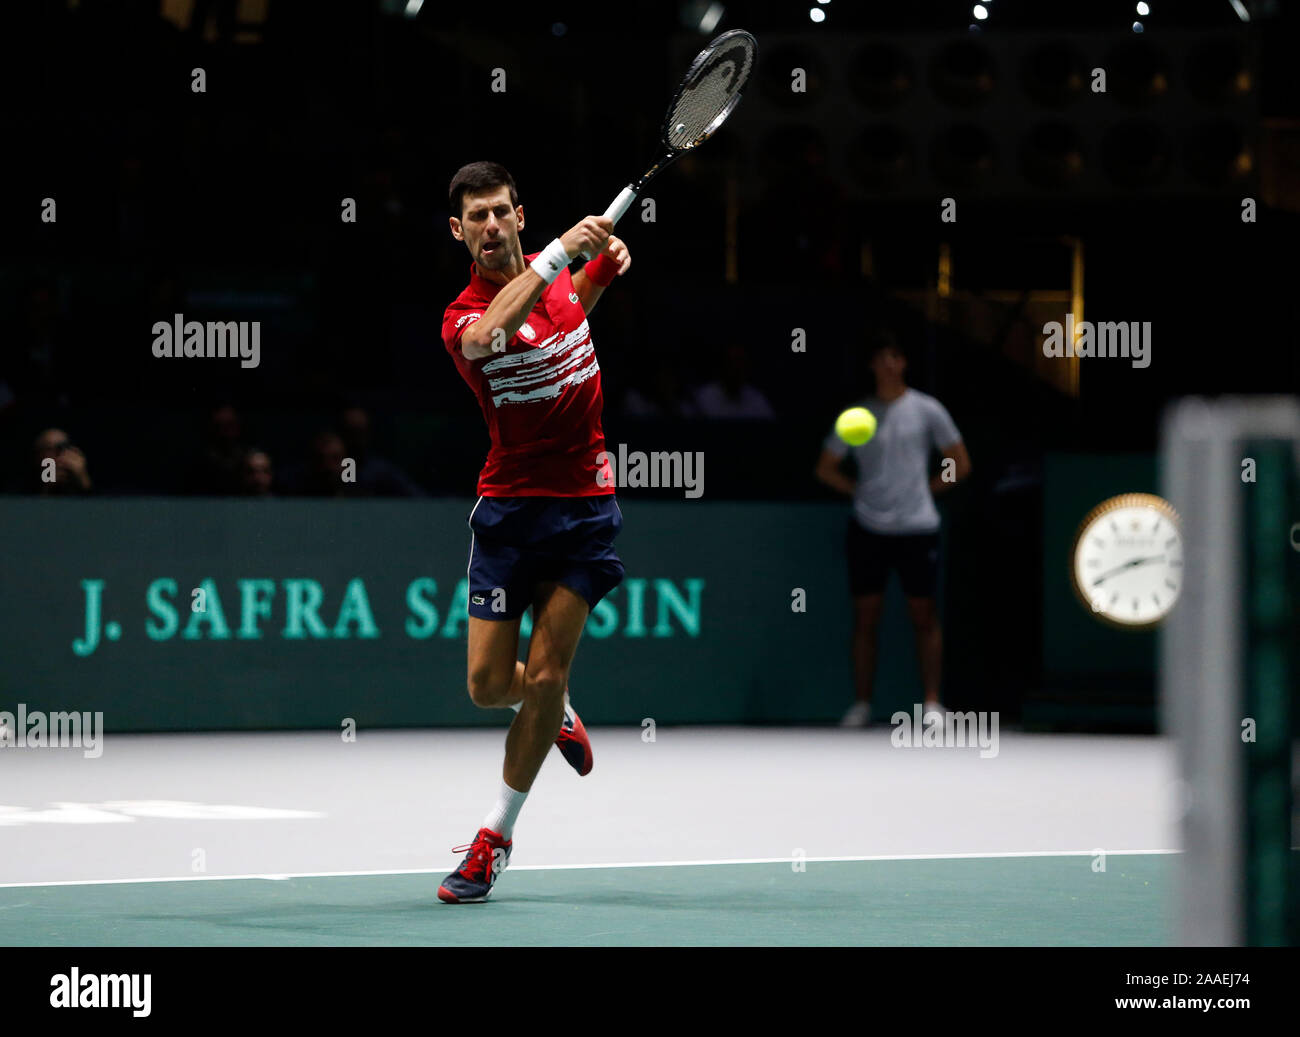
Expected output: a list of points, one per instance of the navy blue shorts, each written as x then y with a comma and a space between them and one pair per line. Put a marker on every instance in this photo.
519, 542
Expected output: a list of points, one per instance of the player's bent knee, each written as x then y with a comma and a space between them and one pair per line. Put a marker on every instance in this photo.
487, 688
546, 687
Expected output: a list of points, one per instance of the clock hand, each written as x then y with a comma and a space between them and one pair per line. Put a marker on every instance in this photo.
1127, 565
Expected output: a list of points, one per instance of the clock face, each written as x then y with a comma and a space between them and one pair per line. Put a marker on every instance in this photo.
1127, 565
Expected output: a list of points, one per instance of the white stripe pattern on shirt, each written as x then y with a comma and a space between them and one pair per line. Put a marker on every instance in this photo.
544, 371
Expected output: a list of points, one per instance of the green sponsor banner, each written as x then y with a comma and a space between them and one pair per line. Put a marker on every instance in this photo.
230, 614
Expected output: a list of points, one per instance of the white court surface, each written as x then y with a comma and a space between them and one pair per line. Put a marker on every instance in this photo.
399, 800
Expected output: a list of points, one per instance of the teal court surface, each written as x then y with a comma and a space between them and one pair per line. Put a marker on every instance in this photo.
706, 836
1047, 901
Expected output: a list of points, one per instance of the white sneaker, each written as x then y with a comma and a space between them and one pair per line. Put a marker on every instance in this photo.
858, 715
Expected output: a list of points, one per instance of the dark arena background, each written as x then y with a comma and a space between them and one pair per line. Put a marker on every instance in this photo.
233, 627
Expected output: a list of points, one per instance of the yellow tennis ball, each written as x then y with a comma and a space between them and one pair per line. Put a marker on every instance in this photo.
856, 426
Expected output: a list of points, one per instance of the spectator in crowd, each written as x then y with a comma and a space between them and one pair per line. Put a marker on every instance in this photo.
732, 395
324, 474
220, 468
259, 474
661, 396
376, 476
59, 467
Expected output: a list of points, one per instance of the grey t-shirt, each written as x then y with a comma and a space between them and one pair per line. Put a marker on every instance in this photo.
893, 494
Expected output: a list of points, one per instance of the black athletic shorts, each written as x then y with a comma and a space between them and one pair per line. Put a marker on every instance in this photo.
872, 555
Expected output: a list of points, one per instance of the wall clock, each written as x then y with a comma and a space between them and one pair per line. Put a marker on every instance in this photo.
1127, 562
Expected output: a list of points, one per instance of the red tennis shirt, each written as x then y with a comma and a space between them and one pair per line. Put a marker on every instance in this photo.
541, 397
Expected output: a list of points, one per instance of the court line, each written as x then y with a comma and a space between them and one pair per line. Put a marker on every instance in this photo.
281, 876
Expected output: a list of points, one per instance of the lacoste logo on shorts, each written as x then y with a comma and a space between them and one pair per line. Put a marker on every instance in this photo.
478, 599
573, 297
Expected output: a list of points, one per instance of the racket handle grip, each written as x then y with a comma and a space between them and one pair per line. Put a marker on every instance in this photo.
617, 208
621, 204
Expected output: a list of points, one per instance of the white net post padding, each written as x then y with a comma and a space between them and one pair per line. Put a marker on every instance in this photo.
1201, 645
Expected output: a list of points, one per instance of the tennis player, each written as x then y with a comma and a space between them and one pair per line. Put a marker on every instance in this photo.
542, 532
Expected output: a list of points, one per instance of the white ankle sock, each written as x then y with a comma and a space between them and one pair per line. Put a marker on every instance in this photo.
501, 818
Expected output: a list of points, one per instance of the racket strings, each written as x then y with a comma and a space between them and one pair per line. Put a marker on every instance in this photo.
708, 95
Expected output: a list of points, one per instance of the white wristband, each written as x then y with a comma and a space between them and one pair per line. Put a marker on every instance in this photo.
551, 260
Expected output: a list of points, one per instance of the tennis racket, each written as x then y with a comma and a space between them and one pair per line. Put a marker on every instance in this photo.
709, 92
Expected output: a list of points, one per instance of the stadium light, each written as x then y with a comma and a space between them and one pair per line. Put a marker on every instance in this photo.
980, 13
817, 14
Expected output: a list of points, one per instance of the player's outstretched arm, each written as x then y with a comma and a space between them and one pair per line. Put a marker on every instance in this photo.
590, 290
